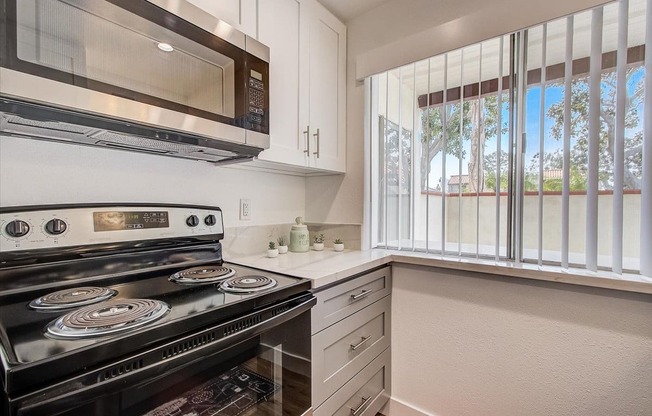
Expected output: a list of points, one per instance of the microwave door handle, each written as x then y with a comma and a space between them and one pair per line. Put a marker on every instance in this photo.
64, 399
307, 133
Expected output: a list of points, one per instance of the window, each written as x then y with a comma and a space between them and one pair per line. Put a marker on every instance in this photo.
531, 146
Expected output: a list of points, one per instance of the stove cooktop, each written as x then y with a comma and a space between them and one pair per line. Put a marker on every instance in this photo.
26, 339
24, 334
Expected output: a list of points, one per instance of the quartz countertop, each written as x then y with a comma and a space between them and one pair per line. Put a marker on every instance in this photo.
322, 267
327, 267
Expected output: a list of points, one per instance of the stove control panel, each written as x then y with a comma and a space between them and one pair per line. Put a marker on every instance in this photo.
33, 229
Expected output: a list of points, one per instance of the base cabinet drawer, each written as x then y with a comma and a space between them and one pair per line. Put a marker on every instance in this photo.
340, 351
338, 302
365, 394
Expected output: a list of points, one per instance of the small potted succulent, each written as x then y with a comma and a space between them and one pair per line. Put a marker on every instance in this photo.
318, 245
272, 251
282, 245
338, 244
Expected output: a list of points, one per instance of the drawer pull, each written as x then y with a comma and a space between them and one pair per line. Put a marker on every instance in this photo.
361, 295
359, 344
359, 409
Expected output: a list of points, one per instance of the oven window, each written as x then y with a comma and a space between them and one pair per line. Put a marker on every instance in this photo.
134, 58
254, 387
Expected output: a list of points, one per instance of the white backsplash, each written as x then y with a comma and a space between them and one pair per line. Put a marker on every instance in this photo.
349, 233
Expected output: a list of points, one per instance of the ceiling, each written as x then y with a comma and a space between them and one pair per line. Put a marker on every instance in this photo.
346, 10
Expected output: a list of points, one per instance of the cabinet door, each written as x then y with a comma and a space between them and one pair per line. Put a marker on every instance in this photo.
327, 89
279, 29
241, 14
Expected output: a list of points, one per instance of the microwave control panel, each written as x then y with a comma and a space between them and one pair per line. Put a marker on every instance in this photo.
256, 115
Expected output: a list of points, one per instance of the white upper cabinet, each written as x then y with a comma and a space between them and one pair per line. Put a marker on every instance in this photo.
324, 99
307, 85
279, 29
241, 14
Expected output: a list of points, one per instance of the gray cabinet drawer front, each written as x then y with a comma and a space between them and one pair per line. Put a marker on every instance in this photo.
340, 351
338, 302
366, 393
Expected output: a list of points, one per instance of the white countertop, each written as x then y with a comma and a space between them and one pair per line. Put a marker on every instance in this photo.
326, 267
322, 267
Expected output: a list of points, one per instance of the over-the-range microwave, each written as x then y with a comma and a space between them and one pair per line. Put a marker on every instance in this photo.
159, 76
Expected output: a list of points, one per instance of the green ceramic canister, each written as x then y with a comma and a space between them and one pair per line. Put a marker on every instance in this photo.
299, 237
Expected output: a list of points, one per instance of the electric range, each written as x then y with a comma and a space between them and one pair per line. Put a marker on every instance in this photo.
119, 308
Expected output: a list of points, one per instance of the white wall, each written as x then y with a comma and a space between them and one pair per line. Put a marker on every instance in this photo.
39, 172
467, 344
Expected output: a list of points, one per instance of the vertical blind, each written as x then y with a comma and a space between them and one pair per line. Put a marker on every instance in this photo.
534, 146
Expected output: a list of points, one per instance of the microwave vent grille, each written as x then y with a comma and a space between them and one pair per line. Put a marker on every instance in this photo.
31, 121
50, 125
141, 142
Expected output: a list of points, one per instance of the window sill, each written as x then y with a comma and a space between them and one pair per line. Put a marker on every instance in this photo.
601, 279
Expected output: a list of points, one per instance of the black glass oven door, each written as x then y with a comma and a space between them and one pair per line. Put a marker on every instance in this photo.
263, 370
267, 378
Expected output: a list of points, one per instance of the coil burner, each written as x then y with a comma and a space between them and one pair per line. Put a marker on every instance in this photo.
72, 298
110, 317
202, 275
248, 284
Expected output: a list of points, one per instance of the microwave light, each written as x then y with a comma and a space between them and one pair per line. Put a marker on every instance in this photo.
165, 47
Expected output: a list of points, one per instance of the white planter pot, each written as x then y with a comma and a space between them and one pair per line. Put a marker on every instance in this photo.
318, 246
282, 249
338, 247
272, 253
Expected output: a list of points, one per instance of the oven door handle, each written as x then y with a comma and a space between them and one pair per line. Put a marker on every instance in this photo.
68, 394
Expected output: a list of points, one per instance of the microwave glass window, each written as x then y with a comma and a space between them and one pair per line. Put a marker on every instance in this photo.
135, 55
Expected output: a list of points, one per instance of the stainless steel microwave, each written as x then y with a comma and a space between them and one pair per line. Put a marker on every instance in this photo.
163, 65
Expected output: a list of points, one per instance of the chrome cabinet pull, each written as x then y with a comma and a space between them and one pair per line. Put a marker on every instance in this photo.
317, 152
307, 133
360, 344
359, 409
361, 295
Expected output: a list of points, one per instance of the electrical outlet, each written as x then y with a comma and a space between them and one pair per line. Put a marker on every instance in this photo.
245, 209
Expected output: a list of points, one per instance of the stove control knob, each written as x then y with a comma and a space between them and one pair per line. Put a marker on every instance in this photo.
17, 228
56, 226
192, 221
210, 220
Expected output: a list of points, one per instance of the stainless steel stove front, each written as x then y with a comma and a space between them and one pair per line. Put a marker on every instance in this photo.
145, 326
